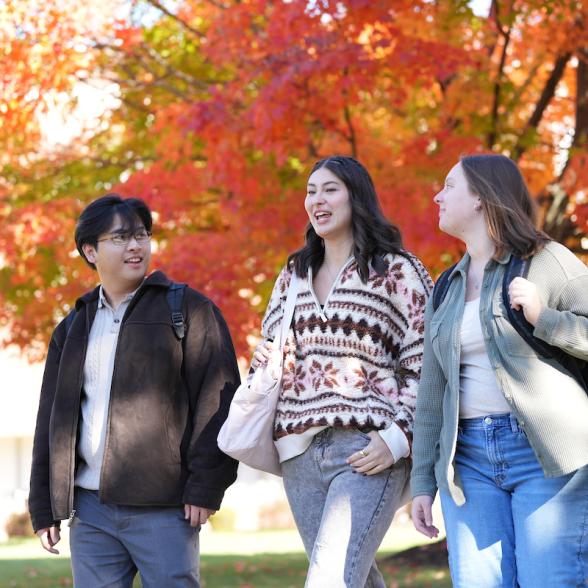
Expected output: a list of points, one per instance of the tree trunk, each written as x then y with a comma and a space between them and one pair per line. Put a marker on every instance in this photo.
554, 200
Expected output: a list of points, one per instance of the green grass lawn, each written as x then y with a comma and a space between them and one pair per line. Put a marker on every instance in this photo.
256, 560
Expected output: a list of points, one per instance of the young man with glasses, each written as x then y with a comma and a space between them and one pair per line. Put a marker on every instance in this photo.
125, 443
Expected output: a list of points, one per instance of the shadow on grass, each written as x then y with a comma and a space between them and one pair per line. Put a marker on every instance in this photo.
421, 566
417, 567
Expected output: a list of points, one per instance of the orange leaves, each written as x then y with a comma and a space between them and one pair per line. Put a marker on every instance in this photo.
44, 44
575, 183
127, 38
224, 107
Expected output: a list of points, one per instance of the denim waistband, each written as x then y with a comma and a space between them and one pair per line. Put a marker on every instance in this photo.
491, 421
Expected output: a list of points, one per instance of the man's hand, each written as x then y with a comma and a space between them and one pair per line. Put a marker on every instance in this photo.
374, 458
422, 516
523, 294
49, 537
197, 515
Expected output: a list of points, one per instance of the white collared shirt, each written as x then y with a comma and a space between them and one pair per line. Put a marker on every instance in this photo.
98, 370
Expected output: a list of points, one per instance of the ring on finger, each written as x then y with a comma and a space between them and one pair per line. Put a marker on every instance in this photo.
364, 453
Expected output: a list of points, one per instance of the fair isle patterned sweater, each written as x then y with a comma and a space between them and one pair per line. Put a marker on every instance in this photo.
357, 361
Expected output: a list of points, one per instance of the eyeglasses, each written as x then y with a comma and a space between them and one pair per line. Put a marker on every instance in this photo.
124, 237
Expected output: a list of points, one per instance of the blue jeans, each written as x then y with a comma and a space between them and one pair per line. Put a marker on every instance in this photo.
342, 516
517, 527
110, 543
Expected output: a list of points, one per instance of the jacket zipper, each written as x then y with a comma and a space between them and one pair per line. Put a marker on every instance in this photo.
127, 312
74, 437
456, 357
321, 311
107, 438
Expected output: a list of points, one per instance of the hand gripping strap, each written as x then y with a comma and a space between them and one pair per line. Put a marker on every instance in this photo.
578, 368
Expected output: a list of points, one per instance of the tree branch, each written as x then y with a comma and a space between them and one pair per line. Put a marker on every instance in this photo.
581, 130
521, 89
351, 138
191, 80
491, 139
554, 199
219, 4
546, 95
169, 69
175, 17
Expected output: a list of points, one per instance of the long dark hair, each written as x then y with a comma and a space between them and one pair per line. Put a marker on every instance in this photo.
509, 209
373, 235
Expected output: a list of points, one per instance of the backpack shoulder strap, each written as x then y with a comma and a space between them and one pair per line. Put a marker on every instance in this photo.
175, 300
578, 368
520, 267
441, 287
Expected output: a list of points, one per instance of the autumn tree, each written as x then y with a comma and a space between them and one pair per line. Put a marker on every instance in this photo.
223, 106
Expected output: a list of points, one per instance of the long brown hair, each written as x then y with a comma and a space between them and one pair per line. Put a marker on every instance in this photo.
509, 209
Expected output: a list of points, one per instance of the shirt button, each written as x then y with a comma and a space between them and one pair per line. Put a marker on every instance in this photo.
487, 421
117, 320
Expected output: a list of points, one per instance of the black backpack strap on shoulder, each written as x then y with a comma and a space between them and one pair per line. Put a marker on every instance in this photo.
520, 267
441, 287
175, 300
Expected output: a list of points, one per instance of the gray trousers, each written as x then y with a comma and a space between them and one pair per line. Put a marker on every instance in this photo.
342, 516
110, 543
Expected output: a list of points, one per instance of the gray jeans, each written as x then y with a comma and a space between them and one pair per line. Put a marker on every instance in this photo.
110, 543
342, 516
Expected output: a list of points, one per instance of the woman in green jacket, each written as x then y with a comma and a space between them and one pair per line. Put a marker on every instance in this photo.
501, 431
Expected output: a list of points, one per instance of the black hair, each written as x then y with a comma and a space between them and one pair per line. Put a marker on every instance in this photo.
373, 235
97, 218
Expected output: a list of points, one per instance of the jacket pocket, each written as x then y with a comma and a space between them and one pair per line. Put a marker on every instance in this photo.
363, 435
173, 442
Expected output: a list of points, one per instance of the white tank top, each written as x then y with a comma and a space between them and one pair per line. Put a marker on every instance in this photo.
479, 393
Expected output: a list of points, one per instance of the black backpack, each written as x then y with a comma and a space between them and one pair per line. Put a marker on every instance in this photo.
520, 267
174, 297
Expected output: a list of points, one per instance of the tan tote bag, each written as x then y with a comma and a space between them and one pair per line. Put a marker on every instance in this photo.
247, 434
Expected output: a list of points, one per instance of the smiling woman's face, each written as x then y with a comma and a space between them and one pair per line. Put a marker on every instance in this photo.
328, 204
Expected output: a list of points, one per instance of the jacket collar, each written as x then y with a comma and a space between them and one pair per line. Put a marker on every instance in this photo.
155, 279
462, 265
505, 257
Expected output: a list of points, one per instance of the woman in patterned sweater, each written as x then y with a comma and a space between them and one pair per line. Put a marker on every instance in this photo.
343, 424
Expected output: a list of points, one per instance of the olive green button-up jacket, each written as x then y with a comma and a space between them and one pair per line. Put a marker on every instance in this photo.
550, 405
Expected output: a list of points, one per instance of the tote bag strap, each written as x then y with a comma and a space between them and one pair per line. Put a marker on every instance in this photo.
288, 310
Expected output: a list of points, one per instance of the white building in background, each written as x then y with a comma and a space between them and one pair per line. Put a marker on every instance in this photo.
19, 398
